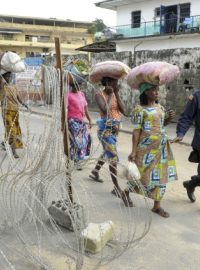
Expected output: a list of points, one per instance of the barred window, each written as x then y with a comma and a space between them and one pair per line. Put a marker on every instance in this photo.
136, 19
184, 11
157, 12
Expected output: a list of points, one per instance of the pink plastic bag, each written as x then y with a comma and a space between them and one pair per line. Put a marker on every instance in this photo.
112, 69
156, 73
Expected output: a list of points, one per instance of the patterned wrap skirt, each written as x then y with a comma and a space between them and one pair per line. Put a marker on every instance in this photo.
108, 130
156, 164
154, 157
80, 139
13, 132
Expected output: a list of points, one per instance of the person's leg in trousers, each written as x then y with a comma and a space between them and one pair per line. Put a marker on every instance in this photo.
192, 184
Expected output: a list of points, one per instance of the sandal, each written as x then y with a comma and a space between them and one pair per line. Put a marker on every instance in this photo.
161, 212
127, 200
116, 193
96, 178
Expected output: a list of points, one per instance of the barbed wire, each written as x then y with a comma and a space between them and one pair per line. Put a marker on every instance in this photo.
42, 174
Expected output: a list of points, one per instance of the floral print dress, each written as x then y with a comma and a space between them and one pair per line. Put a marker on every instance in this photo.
154, 157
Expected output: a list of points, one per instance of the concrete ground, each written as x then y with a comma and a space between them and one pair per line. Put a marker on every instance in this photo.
171, 243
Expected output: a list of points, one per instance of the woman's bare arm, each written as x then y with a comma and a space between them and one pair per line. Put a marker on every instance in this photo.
103, 106
135, 140
119, 102
88, 116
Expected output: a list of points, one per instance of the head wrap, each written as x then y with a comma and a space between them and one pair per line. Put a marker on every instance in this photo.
145, 86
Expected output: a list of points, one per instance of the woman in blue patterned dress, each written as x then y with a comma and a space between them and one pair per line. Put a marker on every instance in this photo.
150, 148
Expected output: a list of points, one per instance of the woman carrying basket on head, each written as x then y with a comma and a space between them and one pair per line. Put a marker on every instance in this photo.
150, 146
110, 109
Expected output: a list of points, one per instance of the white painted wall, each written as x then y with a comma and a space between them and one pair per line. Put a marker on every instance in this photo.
147, 7
160, 43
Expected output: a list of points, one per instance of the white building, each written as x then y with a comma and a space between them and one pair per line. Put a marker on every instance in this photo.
150, 25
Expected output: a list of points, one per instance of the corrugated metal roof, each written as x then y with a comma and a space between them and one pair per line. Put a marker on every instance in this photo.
97, 47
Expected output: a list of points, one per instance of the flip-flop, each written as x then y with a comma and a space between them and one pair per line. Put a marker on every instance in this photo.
116, 193
161, 212
96, 178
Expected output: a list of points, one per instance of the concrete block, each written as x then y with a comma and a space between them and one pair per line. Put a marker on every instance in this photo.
68, 215
95, 236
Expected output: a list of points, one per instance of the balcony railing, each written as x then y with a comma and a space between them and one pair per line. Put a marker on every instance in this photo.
158, 27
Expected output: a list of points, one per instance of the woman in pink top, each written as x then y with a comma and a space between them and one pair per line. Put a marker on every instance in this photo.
77, 110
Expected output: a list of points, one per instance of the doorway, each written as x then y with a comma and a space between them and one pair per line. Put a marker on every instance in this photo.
171, 19
168, 19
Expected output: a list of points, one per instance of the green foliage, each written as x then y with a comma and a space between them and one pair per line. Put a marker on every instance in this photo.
82, 66
97, 26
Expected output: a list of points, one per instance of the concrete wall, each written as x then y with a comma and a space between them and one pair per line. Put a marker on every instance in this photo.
175, 95
148, 7
160, 43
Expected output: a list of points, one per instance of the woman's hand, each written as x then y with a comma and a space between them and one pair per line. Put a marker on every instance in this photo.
90, 124
116, 90
109, 90
171, 114
131, 157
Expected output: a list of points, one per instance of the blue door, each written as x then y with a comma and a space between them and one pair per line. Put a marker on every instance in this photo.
162, 19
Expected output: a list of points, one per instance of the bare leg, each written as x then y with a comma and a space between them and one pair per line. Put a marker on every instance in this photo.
126, 198
95, 172
156, 205
113, 173
98, 166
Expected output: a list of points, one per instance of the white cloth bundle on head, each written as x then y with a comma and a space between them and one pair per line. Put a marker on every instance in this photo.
11, 62
112, 69
155, 73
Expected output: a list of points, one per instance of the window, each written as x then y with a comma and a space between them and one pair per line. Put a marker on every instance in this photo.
44, 38
184, 11
7, 36
157, 12
29, 54
187, 66
29, 37
136, 19
186, 81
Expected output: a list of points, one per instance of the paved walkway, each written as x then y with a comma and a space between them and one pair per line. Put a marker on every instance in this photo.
126, 123
168, 240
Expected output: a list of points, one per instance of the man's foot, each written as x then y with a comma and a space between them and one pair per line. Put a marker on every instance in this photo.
161, 212
126, 199
95, 176
190, 191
